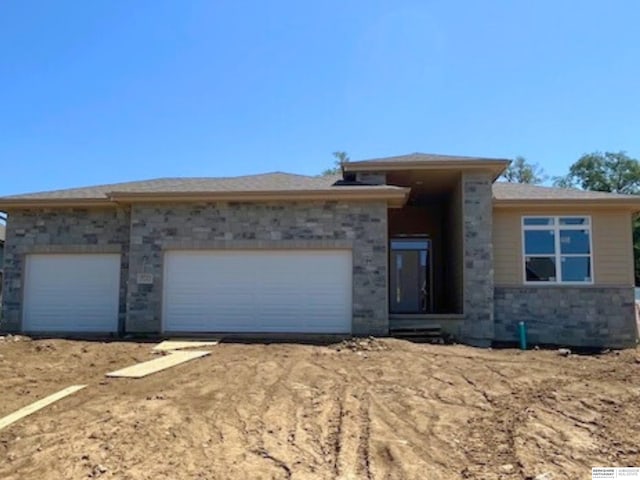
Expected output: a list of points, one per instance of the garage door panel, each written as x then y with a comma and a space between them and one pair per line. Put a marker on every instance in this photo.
71, 293
258, 291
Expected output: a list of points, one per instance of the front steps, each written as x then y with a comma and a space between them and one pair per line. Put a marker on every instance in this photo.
432, 328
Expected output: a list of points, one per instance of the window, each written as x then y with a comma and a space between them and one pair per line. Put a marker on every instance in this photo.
557, 249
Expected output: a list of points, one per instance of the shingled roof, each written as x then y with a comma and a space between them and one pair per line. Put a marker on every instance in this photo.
429, 158
275, 181
276, 185
289, 186
429, 161
504, 191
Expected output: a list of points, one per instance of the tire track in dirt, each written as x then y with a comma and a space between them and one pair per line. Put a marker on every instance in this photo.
392, 409
313, 437
353, 455
399, 427
510, 424
364, 455
319, 411
497, 427
354, 440
477, 389
577, 426
277, 462
350, 429
333, 445
269, 442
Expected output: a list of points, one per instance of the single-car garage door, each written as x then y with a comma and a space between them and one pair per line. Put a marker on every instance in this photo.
71, 293
301, 291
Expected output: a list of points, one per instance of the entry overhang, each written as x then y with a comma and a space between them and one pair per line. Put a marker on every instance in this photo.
422, 161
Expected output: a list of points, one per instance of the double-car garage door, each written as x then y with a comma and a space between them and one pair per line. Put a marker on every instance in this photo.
305, 291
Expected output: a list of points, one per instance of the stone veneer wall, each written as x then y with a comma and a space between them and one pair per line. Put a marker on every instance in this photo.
360, 226
66, 230
477, 210
576, 316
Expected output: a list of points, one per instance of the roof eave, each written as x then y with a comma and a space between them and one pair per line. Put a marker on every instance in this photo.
13, 203
394, 196
622, 203
494, 166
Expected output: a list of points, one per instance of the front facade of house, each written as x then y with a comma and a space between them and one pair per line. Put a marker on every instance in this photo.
2, 236
392, 245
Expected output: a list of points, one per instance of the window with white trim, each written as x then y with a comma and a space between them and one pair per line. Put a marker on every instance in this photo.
557, 249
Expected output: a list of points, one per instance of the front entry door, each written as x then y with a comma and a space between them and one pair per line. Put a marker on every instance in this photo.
410, 285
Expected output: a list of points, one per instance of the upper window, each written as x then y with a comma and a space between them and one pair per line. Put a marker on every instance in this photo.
557, 249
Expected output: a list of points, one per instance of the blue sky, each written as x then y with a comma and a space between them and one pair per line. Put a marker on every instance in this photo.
104, 91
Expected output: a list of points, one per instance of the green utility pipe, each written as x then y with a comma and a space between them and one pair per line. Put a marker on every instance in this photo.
522, 331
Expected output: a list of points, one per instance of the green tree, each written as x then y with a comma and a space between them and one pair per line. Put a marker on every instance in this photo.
608, 172
604, 172
521, 171
340, 159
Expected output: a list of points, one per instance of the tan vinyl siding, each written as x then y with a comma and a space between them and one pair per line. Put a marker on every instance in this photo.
611, 239
613, 248
507, 253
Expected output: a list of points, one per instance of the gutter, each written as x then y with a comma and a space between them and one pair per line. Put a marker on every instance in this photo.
625, 203
57, 202
395, 196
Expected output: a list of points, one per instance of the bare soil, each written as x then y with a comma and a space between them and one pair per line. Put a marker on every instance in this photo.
383, 409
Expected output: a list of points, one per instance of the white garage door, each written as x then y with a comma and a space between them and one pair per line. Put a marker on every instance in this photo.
307, 291
71, 293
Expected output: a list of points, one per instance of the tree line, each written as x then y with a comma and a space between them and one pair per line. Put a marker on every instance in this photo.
613, 172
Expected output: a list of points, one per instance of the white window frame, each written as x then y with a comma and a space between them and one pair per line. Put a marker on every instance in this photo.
556, 227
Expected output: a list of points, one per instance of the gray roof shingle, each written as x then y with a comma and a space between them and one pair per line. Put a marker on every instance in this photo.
429, 157
287, 182
276, 181
520, 191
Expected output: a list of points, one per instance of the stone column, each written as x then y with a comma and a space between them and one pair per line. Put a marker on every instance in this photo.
477, 211
10, 320
144, 295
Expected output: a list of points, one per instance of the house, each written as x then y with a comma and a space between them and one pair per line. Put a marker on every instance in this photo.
410, 242
2, 237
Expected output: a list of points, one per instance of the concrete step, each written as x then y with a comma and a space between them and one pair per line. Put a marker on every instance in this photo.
414, 332
432, 334
412, 324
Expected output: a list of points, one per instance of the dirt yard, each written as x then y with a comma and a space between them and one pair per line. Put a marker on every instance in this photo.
384, 409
